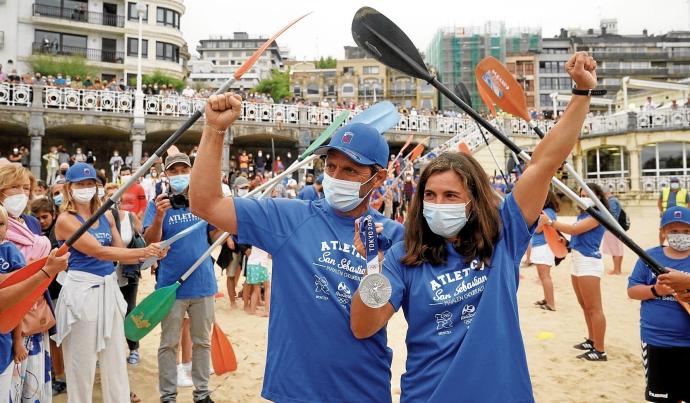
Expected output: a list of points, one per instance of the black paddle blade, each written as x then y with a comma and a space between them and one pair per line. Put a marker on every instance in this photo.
382, 39
463, 93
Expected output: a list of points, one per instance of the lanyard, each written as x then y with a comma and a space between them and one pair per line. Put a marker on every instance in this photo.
367, 232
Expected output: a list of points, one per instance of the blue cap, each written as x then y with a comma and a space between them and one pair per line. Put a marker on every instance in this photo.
676, 214
319, 179
361, 143
80, 171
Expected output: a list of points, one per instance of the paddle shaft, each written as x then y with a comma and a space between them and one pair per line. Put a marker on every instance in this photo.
571, 171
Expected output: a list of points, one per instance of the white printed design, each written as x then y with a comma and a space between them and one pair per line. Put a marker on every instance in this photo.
468, 313
344, 294
454, 287
444, 320
349, 264
321, 291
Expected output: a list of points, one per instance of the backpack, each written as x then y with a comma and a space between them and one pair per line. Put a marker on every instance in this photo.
624, 220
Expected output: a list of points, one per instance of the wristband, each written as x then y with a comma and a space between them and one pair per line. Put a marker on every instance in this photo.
215, 129
656, 294
45, 272
590, 92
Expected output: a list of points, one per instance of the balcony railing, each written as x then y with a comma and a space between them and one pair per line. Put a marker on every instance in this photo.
78, 15
403, 93
607, 71
97, 55
15, 94
656, 183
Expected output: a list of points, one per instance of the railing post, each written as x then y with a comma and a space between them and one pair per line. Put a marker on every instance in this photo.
632, 122
634, 157
37, 129
225, 160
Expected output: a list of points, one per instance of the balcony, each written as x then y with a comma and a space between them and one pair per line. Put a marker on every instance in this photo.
78, 15
96, 55
646, 55
620, 72
409, 92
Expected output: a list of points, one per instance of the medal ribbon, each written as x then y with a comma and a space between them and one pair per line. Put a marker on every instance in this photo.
367, 232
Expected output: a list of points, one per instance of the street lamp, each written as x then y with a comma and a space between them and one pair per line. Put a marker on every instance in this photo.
138, 126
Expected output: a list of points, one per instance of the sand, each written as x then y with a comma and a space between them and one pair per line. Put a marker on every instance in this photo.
557, 376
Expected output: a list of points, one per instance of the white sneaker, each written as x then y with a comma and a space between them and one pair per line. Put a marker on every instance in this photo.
184, 379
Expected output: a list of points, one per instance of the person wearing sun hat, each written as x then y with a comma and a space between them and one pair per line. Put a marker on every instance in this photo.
664, 324
90, 309
316, 268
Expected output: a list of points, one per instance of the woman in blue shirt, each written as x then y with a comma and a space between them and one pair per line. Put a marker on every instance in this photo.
543, 257
90, 310
456, 273
587, 269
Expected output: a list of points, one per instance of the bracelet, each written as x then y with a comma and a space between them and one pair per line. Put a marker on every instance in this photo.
217, 130
45, 272
589, 92
656, 294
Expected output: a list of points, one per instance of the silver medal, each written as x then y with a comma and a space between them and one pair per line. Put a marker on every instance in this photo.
375, 290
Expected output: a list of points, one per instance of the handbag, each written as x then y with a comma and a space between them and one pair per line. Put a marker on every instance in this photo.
39, 319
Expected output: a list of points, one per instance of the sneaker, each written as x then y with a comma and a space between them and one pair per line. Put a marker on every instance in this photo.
59, 387
207, 399
184, 380
593, 355
133, 358
585, 345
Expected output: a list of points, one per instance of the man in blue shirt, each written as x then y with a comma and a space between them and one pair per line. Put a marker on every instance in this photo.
312, 355
312, 192
196, 295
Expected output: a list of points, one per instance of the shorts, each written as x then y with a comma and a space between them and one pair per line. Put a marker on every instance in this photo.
586, 266
542, 255
611, 245
666, 373
234, 265
256, 274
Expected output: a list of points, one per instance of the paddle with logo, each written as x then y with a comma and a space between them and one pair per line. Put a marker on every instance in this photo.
500, 86
387, 43
14, 314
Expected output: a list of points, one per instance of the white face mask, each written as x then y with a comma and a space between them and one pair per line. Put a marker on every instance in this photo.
679, 242
125, 178
83, 195
241, 192
675, 186
15, 204
343, 195
101, 193
445, 220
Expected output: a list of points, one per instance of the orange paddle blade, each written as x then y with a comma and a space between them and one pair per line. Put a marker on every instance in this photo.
407, 143
501, 87
257, 54
555, 241
12, 316
222, 355
416, 152
487, 101
463, 148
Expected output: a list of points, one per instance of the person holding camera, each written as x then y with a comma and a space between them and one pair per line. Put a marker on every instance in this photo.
166, 216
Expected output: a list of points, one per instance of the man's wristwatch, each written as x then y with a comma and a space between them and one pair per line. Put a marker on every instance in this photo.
656, 294
589, 92
375, 290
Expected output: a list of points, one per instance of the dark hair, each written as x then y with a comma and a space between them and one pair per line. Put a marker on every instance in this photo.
42, 204
552, 201
600, 194
477, 238
126, 168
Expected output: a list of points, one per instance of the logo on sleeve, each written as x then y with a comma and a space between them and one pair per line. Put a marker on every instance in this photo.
444, 320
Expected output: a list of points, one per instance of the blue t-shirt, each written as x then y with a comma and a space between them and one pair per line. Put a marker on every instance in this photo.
183, 253
538, 237
312, 355
32, 224
10, 259
663, 322
463, 339
81, 262
588, 243
308, 193
614, 206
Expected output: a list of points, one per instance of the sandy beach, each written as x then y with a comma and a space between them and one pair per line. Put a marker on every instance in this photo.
557, 376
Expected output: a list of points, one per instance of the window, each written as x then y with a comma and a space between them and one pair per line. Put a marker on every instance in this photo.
133, 47
607, 162
665, 159
312, 89
348, 89
370, 70
59, 43
348, 70
297, 91
132, 13
167, 17
167, 51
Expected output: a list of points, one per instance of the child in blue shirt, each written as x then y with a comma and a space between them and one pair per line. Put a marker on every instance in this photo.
664, 324
10, 259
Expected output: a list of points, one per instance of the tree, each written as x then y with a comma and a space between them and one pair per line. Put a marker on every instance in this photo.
66, 65
278, 85
327, 63
158, 77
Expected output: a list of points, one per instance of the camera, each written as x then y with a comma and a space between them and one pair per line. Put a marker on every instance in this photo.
178, 201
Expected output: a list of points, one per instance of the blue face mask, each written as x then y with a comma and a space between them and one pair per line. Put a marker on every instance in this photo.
57, 199
445, 220
179, 182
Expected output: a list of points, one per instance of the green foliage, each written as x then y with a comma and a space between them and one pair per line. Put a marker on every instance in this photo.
66, 65
159, 78
327, 63
278, 85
